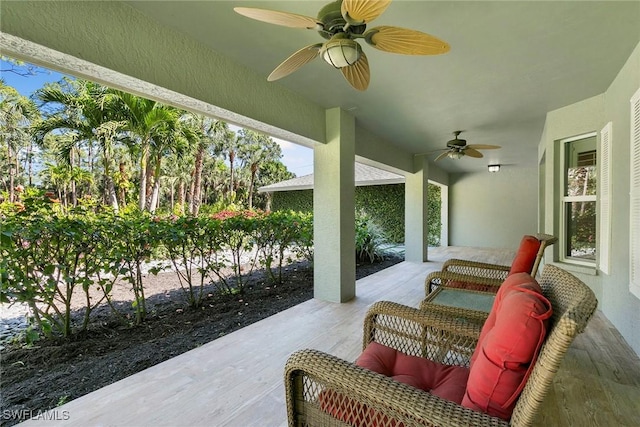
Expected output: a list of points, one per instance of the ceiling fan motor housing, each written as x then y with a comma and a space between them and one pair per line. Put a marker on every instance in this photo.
457, 143
334, 23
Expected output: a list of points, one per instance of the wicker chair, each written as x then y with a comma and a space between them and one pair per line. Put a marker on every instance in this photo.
312, 377
488, 275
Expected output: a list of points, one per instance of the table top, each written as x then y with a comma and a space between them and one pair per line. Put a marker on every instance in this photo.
462, 298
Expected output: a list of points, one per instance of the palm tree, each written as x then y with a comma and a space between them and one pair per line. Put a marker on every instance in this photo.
148, 124
16, 114
87, 112
212, 135
256, 149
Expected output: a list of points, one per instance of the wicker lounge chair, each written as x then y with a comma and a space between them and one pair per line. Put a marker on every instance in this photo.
490, 276
315, 381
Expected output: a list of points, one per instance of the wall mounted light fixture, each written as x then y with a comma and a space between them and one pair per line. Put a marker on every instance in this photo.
494, 168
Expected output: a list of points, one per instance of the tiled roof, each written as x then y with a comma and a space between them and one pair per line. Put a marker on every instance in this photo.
364, 175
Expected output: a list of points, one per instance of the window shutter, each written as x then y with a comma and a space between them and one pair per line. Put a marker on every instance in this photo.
634, 226
604, 193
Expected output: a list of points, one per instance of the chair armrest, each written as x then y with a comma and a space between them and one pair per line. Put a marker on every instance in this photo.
434, 334
478, 317
453, 279
475, 268
320, 388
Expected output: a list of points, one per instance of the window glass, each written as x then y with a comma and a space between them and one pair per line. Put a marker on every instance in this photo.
581, 227
579, 199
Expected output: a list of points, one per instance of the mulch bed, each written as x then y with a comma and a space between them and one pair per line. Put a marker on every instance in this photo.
53, 372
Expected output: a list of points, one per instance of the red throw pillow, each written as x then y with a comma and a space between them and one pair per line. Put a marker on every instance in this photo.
508, 347
523, 280
526, 255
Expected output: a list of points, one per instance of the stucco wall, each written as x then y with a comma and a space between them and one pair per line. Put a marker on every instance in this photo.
612, 291
493, 209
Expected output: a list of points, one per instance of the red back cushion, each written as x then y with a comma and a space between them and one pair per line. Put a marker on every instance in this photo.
508, 347
526, 255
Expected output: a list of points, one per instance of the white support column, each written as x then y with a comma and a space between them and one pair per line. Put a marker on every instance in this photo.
415, 214
334, 210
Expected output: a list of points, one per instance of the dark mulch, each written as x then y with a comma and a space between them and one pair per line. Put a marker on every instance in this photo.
56, 371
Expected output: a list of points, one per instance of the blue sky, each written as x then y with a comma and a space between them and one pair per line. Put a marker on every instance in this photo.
297, 158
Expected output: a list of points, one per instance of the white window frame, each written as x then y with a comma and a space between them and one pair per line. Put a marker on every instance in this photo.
565, 199
634, 197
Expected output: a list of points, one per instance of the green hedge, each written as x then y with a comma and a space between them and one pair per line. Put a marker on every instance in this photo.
384, 204
46, 257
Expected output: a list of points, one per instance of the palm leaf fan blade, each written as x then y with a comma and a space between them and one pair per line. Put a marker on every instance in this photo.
285, 19
483, 147
295, 61
363, 11
405, 41
471, 152
442, 156
358, 74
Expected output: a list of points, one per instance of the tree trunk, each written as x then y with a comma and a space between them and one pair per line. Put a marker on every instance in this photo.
197, 182
172, 194
155, 192
72, 182
122, 191
112, 198
150, 185
191, 191
155, 195
254, 170
30, 162
142, 193
12, 174
74, 196
181, 195
232, 157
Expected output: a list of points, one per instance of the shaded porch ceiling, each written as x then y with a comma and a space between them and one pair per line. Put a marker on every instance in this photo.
510, 63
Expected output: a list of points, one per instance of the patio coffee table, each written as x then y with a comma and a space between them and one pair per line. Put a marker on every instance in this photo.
462, 298
464, 305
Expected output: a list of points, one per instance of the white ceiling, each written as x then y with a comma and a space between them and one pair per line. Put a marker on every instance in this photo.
510, 62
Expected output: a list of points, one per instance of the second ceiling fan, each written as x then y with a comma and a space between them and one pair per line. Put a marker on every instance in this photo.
341, 23
457, 148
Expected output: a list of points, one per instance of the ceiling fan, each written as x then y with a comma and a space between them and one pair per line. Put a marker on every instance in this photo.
457, 148
341, 23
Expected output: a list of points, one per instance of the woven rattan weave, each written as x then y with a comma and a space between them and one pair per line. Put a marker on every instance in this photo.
321, 389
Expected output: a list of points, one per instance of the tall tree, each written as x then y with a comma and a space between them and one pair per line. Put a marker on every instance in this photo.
256, 149
16, 114
212, 136
271, 172
148, 122
86, 110
178, 140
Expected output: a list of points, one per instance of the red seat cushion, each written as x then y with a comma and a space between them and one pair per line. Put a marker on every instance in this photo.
526, 255
447, 382
508, 347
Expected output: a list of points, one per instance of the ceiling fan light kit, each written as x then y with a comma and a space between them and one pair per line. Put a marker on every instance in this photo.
341, 52
341, 22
